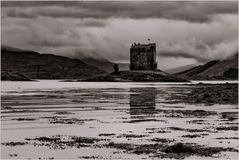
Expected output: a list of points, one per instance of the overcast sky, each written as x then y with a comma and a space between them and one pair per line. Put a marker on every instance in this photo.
184, 32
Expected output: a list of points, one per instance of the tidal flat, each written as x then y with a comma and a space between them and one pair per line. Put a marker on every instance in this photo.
50, 119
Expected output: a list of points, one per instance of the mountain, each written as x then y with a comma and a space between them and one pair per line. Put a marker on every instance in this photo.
180, 69
214, 70
45, 66
104, 64
101, 63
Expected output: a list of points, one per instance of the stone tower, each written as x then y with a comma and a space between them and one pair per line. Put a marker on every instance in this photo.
143, 57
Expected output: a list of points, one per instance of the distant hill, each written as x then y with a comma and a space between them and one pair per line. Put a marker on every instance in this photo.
101, 63
180, 69
123, 66
104, 64
214, 70
45, 66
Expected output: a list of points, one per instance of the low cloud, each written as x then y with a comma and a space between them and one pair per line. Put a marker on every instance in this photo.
194, 32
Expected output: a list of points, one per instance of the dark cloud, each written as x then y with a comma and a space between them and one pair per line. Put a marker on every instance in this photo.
37, 3
16, 13
190, 11
185, 32
92, 23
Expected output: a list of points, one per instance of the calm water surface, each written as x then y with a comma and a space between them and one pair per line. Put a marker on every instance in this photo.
90, 109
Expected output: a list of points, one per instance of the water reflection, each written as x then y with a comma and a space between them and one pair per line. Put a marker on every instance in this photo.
142, 100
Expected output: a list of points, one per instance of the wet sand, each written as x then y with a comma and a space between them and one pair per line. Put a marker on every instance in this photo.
119, 120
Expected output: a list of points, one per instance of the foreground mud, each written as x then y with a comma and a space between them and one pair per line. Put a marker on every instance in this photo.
210, 94
123, 121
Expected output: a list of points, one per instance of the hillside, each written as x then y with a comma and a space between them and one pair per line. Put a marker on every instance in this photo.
214, 70
180, 69
13, 76
138, 76
104, 64
101, 63
45, 66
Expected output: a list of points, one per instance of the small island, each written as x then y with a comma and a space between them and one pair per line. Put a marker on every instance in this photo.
143, 68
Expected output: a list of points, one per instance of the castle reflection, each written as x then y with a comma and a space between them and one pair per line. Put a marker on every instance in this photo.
142, 100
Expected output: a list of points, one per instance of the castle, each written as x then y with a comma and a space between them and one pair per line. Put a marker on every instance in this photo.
143, 56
